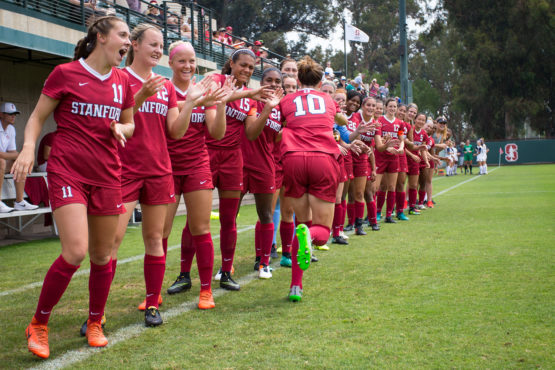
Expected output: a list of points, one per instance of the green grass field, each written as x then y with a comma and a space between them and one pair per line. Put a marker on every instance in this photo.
469, 284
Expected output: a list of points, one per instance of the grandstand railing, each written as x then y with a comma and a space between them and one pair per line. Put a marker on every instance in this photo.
77, 14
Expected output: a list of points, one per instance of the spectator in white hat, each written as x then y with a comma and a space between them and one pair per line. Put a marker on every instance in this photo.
8, 154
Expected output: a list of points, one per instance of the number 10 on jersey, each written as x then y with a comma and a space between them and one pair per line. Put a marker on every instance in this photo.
313, 103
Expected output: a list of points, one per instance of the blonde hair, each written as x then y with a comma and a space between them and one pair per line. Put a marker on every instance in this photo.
137, 35
310, 73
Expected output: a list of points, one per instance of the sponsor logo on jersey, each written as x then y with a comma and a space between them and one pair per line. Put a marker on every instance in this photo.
83, 83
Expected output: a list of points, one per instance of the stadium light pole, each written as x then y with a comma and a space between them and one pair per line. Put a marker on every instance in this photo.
403, 51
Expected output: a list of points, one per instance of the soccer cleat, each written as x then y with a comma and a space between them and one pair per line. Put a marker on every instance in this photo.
206, 301
152, 317
83, 330
339, 240
430, 204
95, 335
264, 272
414, 212
313, 258
24, 206
343, 235
322, 247
390, 220
218, 276
406, 204
279, 250
359, 229
285, 261
349, 227
37, 339
181, 284
401, 217
421, 207
375, 227
379, 216
274, 253
257, 263
142, 306
305, 246
295, 293
227, 283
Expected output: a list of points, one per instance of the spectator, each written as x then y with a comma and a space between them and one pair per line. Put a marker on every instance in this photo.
134, 5
8, 154
43, 153
384, 91
154, 12
374, 88
329, 69
358, 81
228, 37
342, 83
89, 8
350, 85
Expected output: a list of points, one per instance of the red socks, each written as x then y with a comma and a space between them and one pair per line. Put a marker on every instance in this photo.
228, 231
187, 249
372, 213
296, 272
400, 200
205, 259
154, 269
319, 234
266, 236
165, 246
421, 196
359, 210
390, 203
412, 197
114, 265
380, 196
99, 287
337, 220
351, 213
55, 283
343, 213
257, 247
286, 232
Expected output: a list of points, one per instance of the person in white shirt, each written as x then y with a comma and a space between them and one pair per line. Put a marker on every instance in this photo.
8, 154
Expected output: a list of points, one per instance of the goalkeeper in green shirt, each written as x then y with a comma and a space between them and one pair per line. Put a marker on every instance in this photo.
468, 154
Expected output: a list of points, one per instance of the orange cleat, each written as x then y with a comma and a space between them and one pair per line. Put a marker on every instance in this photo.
37, 339
142, 306
430, 204
95, 335
206, 301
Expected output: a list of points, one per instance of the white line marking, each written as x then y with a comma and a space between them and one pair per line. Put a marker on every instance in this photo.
120, 262
131, 331
459, 184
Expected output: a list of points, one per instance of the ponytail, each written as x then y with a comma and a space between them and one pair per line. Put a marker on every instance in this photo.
86, 45
137, 35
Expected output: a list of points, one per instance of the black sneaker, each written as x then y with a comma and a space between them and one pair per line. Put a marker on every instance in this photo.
274, 253
339, 240
152, 317
226, 282
313, 258
390, 220
257, 263
181, 284
375, 227
349, 228
359, 230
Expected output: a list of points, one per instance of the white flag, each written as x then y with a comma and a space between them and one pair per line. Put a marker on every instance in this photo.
354, 34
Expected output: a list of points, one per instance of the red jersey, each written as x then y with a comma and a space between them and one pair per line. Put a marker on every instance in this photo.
368, 136
353, 121
419, 138
236, 113
86, 149
47, 140
391, 128
258, 154
146, 153
310, 117
189, 153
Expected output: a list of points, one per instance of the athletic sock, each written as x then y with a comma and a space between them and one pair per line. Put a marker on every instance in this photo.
296, 272
319, 234
187, 249
286, 233
343, 213
380, 195
276, 219
359, 210
154, 269
228, 231
390, 203
257, 238
205, 259
471, 169
400, 200
412, 197
337, 220
55, 283
165, 246
99, 287
266, 233
421, 195
372, 212
114, 265
351, 213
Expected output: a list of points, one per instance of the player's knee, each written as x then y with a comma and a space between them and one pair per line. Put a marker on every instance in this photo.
200, 228
3, 165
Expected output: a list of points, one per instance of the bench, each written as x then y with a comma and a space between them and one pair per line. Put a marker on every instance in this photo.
8, 192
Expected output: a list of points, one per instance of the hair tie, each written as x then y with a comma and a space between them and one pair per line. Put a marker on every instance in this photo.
243, 51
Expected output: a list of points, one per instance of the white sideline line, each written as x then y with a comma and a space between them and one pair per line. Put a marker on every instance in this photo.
120, 262
460, 183
128, 332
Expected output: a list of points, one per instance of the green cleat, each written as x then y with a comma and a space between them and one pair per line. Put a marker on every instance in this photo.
305, 246
295, 293
401, 217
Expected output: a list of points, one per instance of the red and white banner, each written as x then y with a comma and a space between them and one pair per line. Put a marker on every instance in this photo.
354, 34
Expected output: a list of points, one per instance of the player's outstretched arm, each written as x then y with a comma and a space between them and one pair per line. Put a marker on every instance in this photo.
254, 126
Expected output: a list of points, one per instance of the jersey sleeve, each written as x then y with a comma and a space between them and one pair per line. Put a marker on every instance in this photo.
172, 95
253, 110
337, 109
54, 86
129, 100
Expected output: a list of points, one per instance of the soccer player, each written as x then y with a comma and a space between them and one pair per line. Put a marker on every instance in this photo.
309, 164
468, 154
289, 66
400, 195
89, 98
483, 156
192, 176
259, 169
352, 105
150, 182
417, 161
